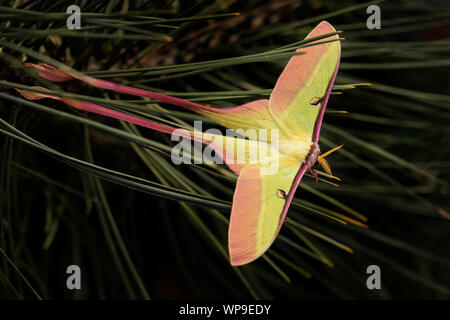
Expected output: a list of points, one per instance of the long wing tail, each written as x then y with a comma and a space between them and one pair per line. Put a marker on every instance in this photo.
252, 115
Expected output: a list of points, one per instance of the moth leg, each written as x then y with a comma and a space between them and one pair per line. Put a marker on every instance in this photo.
314, 174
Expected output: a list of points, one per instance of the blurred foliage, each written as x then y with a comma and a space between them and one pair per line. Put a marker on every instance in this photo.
81, 189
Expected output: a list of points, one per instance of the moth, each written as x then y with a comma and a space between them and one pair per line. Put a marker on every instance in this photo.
295, 108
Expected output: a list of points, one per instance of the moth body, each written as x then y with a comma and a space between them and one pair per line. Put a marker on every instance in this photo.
313, 154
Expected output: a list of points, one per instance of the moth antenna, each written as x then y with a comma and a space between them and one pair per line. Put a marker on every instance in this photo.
325, 165
323, 155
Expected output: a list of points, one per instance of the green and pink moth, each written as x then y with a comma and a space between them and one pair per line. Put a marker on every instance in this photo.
296, 108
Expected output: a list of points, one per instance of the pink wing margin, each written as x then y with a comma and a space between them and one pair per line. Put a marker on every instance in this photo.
318, 125
315, 138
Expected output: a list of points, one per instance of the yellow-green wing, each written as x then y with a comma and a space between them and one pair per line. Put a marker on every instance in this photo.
301, 92
251, 115
260, 205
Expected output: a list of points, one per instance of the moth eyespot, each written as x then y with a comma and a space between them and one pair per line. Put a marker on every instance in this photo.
281, 194
315, 101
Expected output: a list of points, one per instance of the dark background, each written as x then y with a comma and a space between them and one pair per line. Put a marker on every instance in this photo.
174, 257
